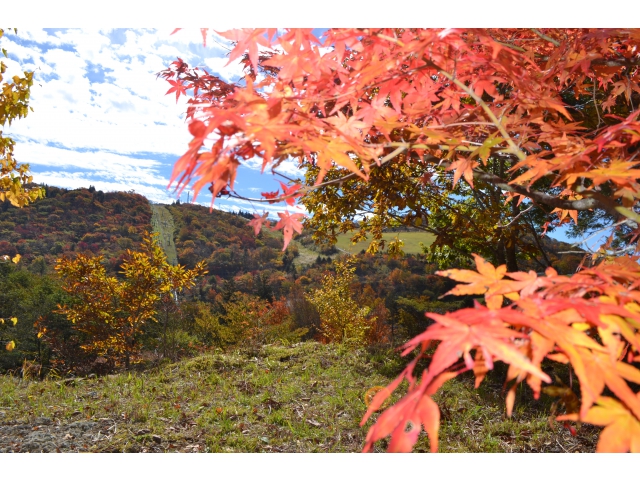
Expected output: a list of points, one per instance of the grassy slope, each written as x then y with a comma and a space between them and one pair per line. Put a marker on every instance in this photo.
162, 223
411, 241
303, 398
411, 245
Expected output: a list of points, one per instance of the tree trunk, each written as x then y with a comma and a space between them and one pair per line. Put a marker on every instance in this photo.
510, 246
510, 249
500, 256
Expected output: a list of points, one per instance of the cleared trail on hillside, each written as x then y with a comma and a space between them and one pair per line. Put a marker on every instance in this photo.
162, 223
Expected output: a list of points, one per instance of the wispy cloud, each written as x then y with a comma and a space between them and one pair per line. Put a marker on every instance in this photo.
100, 115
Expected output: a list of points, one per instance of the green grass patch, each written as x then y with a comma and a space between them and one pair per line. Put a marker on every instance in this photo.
306, 397
411, 241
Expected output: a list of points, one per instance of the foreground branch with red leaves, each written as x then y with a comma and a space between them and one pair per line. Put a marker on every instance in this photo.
489, 107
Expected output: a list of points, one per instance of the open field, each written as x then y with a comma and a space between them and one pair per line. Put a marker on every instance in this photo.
411, 241
307, 397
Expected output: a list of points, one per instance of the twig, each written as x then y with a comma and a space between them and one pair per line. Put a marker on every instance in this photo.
283, 176
505, 135
600, 231
460, 124
516, 217
595, 102
307, 189
565, 450
545, 37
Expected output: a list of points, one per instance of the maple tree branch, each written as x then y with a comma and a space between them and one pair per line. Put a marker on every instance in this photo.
505, 135
626, 221
310, 188
593, 200
588, 252
509, 45
545, 37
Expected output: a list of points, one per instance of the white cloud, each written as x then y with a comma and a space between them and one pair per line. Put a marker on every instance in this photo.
126, 111
258, 207
287, 167
38, 154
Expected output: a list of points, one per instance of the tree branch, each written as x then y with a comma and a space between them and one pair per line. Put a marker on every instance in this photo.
593, 200
545, 37
307, 189
516, 217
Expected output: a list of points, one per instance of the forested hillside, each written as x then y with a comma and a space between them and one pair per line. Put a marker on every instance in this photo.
252, 294
74, 221
242, 267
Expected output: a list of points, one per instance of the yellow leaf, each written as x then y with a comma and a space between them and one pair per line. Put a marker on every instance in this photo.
581, 326
14, 320
11, 345
369, 394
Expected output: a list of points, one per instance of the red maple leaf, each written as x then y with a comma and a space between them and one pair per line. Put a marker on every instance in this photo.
258, 221
178, 88
270, 195
290, 191
289, 222
246, 39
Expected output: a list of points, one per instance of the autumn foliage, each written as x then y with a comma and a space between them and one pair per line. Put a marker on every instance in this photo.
111, 312
14, 104
391, 121
342, 320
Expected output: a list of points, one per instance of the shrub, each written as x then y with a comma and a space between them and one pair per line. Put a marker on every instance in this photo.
341, 319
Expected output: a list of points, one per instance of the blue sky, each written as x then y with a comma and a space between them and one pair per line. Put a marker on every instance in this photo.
102, 118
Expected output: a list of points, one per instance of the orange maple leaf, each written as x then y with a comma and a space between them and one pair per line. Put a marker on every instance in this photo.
461, 331
488, 280
618, 171
622, 428
463, 167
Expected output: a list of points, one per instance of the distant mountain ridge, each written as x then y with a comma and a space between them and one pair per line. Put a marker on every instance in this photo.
91, 221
